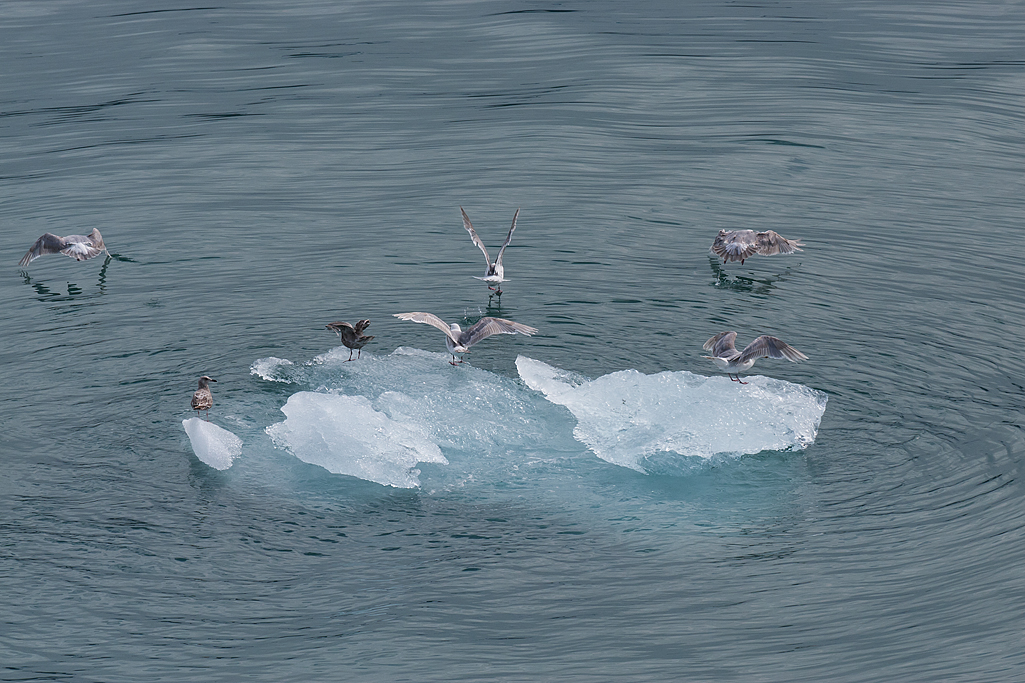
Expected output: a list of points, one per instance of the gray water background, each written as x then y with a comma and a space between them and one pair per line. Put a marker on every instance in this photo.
264, 168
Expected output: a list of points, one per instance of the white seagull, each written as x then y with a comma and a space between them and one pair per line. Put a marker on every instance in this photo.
459, 341
78, 247
740, 245
495, 274
733, 362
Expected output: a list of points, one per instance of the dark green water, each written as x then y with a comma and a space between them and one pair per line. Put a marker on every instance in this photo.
261, 169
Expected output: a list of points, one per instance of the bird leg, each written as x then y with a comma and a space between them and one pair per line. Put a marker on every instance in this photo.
350, 356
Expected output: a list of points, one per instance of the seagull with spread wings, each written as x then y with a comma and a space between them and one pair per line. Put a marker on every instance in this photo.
495, 274
458, 340
78, 247
733, 362
351, 337
740, 245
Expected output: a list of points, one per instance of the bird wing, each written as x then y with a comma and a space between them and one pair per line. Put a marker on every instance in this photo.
430, 319
722, 345
362, 325
771, 242
47, 244
508, 239
485, 327
736, 245
338, 326
771, 347
473, 236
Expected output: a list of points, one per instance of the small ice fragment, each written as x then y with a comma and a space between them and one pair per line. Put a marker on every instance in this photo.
215, 446
270, 369
345, 435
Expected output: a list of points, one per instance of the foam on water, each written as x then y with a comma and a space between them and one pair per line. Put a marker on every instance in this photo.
345, 435
215, 446
628, 418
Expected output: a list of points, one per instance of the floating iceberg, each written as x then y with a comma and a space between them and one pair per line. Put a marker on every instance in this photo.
628, 417
213, 445
345, 435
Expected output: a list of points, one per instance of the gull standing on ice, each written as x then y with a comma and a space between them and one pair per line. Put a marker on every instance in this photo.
352, 337
459, 341
495, 274
740, 245
733, 362
78, 247
203, 399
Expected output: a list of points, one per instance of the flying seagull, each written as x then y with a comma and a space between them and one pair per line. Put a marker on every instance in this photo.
352, 337
459, 341
78, 247
740, 245
733, 362
495, 274
203, 399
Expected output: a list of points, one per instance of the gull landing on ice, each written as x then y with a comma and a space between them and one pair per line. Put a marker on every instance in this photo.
733, 362
740, 245
351, 337
458, 340
495, 273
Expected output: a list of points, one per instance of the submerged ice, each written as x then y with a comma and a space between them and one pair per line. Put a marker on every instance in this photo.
628, 417
215, 446
379, 419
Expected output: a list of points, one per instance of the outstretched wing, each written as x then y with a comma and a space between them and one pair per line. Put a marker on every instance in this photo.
771, 242
722, 345
473, 235
485, 327
508, 239
771, 347
430, 319
47, 244
362, 325
736, 245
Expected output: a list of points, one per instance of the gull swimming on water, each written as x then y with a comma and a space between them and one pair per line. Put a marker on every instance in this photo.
495, 274
203, 399
733, 362
740, 245
459, 341
352, 337
78, 247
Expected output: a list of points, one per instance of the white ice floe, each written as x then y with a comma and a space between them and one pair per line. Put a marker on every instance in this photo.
627, 417
215, 446
346, 435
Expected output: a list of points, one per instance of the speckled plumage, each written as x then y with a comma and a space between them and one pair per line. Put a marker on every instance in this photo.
203, 399
740, 245
78, 247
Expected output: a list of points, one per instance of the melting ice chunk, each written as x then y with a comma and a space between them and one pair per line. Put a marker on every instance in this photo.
213, 445
345, 435
626, 417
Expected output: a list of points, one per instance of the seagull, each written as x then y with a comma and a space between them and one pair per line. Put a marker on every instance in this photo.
78, 247
495, 274
733, 362
203, 399
740, 245
352, 337
458, 341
